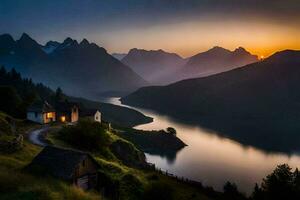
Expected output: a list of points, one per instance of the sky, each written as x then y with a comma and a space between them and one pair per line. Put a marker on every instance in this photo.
186, 27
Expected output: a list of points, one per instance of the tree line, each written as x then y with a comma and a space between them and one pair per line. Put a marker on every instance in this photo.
18, 93
282, 184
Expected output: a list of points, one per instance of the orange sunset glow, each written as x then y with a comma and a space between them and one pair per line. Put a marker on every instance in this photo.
150, 99
182, 27
189, 38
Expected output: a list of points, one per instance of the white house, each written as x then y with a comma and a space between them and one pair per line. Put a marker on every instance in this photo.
97, 116
41, 112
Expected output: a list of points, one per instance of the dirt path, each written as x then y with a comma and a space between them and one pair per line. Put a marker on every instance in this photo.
36, 136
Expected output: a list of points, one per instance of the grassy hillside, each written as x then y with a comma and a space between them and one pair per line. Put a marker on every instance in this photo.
122, 177
17, 184
96, 138
123, 165
118, 179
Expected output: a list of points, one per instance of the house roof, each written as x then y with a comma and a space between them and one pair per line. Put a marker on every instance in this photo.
40, 106
59, 162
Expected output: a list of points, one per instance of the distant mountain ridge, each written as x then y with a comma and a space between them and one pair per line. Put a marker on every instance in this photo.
275, 70
119, 56
216, 60
156, 66
257, 104
160, 67
50, 46
82, 69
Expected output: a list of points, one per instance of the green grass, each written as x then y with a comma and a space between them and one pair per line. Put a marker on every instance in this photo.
5, 128
131, 179
15, 183
93, 137
129, 182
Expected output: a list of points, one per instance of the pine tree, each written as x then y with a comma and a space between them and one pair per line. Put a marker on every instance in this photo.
59, 96
231, 192
279, 184
297, 183
21, 93
2, 71
15, 75
257, 193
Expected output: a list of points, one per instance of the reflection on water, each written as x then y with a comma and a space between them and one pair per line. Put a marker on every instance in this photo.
211, 159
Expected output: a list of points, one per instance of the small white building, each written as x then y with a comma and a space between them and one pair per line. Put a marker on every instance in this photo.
41, 112
97, 116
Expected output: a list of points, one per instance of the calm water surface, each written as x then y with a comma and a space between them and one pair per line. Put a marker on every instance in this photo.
211, 159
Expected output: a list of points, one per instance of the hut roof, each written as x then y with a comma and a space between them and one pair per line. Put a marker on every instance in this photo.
41, 106
59, 162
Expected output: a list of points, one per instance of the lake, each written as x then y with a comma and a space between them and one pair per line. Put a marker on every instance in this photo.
212, 159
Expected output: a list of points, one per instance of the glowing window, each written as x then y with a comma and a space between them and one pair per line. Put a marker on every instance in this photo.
49, 115
63, 118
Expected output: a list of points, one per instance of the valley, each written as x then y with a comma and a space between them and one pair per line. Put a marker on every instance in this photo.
149, 100
240, 104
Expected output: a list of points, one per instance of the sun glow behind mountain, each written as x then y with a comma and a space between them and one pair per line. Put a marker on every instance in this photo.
185, 27
191, 37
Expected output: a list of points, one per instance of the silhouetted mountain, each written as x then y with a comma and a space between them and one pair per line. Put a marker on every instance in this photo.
20, 54
159, 67
155, 66
7, 44
83, 69
216, 60
68, 43
50, 46
119, 56
84, 42
28, 48
257, 104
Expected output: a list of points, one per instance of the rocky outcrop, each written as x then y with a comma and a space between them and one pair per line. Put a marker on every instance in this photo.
128, 154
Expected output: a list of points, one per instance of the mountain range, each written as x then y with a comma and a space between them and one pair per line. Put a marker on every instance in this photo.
160, 67
216, 60
156, 66
257, 104
85, 69
81, 69
119, 56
